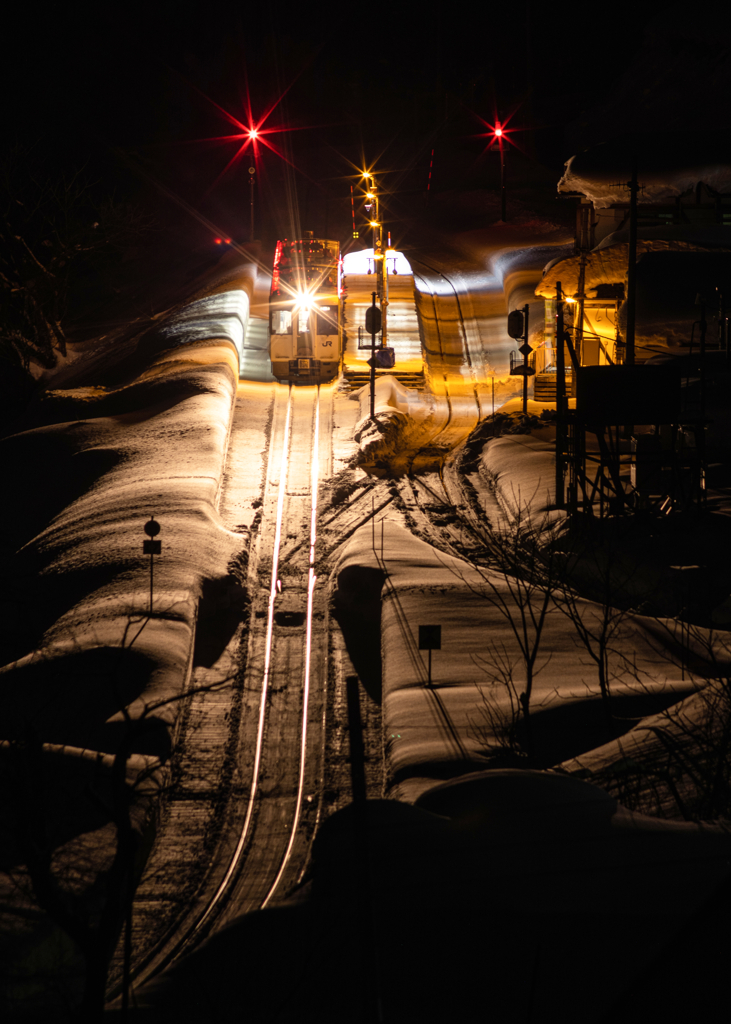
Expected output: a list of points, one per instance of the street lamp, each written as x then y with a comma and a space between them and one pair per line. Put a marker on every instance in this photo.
379, 261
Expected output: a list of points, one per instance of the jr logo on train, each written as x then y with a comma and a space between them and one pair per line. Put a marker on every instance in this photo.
304, 342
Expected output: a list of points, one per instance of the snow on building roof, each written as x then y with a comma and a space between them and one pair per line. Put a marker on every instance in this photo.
607, 264
668, 165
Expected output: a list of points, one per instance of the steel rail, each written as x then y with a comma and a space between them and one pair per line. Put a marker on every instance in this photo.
311, 581
243, 835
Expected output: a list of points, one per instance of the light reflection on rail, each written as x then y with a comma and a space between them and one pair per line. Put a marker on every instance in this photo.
311, 580
283, 467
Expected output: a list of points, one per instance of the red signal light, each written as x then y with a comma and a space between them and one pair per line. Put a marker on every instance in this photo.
217, 241
498, 131
228, 241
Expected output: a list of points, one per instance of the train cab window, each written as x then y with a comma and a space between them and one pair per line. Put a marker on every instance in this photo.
281, 321
304, 321
327, 320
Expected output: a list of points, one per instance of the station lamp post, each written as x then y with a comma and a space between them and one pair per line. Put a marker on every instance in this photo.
499, 143
253, 136
379, 252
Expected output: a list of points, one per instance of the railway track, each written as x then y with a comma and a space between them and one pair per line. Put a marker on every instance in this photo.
277, 797
272, 814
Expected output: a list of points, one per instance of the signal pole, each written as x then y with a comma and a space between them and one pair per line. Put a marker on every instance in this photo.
379, 254
252, 172
629, 356
560, 399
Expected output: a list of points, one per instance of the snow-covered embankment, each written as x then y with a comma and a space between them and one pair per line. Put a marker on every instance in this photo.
88, 672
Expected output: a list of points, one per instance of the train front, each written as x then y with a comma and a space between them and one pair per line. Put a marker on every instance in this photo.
304, 338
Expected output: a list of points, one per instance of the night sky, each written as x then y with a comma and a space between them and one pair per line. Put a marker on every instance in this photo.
134, 90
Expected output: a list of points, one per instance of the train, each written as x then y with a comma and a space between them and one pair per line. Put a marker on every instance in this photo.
304, 311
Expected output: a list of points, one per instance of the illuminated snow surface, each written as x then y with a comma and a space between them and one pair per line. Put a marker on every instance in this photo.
453, 889
139, 428
362, 262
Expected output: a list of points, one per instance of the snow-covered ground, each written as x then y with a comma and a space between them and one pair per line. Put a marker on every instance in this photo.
94, 665
143, 427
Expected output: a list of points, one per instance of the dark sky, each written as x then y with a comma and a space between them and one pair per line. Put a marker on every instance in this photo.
139, 82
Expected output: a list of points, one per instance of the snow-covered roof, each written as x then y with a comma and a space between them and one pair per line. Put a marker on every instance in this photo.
607, 264
668, 165
360, 262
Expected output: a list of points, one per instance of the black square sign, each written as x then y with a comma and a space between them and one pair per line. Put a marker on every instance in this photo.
430, 638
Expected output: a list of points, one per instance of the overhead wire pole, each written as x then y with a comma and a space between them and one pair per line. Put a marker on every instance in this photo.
379, 257
252, 172
503, 192
629, 357
560, 398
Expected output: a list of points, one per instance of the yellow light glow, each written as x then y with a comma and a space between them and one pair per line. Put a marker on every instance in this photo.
570, 298
374, 223
370, 195
303, 302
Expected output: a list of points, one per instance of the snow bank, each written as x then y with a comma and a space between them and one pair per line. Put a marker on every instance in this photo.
669, 764
224, 315
522, 471
393, 396
406, 421
461, 721
87, 670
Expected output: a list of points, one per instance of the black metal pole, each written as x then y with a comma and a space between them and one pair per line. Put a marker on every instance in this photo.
373, 358
629, 357
526, 310
560, 397
503, 195
251, 186
152, 560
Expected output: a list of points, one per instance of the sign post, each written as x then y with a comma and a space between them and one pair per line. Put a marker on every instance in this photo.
151, 547
430, 639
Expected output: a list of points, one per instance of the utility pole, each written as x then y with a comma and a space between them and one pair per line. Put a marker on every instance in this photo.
560, 398
498, 142
629, 356
503, 189
252, 172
